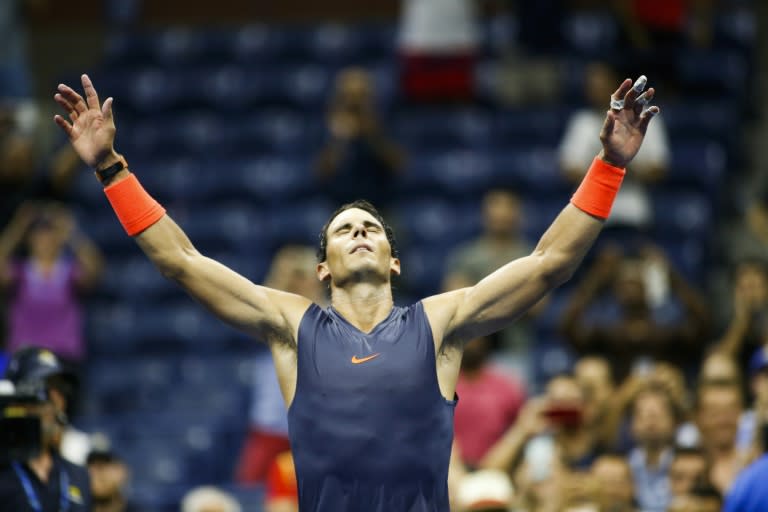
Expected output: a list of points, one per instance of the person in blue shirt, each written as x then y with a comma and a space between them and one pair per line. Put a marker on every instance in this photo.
749, 492
370, 387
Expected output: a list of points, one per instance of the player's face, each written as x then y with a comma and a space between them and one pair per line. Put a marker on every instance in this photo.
357, 246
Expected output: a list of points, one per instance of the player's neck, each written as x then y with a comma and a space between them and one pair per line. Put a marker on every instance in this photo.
363, 305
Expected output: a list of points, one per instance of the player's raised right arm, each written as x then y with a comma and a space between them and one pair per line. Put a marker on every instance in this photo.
265, 313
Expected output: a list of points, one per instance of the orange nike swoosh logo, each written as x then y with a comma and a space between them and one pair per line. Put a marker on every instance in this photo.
358, 360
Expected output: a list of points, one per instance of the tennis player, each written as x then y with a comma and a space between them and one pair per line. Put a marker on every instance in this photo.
369, 386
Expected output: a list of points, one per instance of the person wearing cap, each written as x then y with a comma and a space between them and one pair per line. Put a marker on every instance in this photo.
46, 481
487, 490
109, 480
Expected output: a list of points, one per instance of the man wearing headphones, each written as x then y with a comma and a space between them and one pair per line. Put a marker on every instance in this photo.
44, 482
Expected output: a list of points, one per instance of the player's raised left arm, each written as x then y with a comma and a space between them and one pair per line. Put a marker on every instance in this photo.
508, 292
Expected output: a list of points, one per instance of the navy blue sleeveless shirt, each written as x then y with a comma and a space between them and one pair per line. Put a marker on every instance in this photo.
369, 429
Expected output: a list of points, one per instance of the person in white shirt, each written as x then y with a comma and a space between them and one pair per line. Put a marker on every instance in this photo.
577, 147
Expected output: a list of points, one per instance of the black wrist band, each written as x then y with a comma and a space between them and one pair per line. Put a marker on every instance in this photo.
106, 175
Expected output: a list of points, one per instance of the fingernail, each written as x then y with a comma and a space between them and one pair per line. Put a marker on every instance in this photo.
640, 83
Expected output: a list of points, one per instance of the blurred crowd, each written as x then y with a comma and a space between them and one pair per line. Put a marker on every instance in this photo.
665, 402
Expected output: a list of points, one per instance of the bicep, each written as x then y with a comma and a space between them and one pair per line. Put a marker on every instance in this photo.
260, 311
497, 300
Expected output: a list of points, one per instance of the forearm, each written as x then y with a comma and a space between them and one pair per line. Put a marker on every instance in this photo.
566, 242
733, 339
89, 258
690, 298
11, 239
167, 246
506, 452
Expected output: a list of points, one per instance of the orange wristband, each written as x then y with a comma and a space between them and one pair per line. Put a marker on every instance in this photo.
135, 208
598, 189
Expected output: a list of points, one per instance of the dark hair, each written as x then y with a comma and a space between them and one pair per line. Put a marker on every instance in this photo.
360, 204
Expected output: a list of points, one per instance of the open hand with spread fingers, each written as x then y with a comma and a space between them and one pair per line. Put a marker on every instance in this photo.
91, 126
627, 121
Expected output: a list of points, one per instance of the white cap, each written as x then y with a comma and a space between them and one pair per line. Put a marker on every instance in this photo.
488, 488
6, 387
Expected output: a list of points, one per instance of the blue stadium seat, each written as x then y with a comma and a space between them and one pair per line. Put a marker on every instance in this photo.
539, 126
283, 132
299, 222
334, 44
128, 48
425, 221
682, 213
701, 163
458, 172
588, 34
274, 179
224, 226
423, 268
712, 118
535, 170
111, 327
182, 46
697, 72
736, 27
440, 129
539, 213
134, 279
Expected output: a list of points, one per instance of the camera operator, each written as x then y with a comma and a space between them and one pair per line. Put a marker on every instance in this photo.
33, 475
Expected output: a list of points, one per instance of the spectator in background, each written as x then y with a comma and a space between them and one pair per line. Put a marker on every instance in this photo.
359, 160
292, 270
209, 499
553, 429
485, 393
109, 481
687, 471
485, 491
500, 241
60, 264
654, 419
758, 372
18, 110
750, 493
17, 163
613, 477
748, 325
593, 373
634, 335
719, 408
438, 43
578, 145
282, 494
747, 240
40, 373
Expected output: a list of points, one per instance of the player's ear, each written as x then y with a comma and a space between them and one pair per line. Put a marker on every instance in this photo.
394, 266
323, 272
